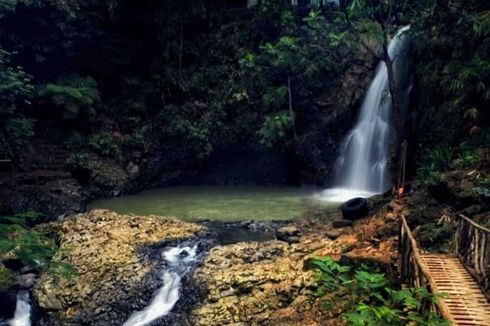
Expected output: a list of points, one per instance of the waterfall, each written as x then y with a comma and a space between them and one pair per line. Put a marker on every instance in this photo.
179, 262
362, 169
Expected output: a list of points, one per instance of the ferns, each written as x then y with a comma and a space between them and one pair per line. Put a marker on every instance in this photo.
481, 26
75, 95
32, 248
433, 164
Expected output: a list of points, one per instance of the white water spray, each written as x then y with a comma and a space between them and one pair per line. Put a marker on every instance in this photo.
22, 315
179, 261
362, 169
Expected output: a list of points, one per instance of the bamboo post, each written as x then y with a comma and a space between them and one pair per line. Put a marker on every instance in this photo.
472, 248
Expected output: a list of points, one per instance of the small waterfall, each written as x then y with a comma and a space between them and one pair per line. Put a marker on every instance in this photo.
22, 315
180, 261
362, 169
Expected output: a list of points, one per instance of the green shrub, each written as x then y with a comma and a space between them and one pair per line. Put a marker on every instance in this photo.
74, 95
470, 149
62, 269
276, 128
433, 164
104, 143
371, 301
479, 140
15, 87
434, 236
7, 279
34, 249
78, 162
75, 141
15, 136
427, 175
467, 159
482, 191
440, 157
137, 139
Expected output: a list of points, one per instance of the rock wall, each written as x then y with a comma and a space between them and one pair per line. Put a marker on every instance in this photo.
330, 116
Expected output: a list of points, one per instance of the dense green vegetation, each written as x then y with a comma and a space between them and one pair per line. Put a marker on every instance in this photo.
371, 300
31, 248
190, 78
451, 46
470, 151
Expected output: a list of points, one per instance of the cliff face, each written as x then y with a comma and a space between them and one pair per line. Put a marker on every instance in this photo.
329, 118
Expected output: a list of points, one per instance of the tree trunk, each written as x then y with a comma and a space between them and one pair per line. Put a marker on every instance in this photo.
181, 49
291, 111
397, 116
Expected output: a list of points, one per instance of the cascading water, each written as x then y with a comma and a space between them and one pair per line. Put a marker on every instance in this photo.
180, 261
362, 169
22, 315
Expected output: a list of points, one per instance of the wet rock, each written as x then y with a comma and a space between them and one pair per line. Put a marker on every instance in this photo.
108, 174
246, 282
27, 281
271, 283
333, 234
183, 254
290, 234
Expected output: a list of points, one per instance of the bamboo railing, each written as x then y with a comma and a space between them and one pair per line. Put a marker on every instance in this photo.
412, 269
473, 249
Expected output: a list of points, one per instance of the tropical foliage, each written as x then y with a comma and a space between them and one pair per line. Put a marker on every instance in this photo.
371, 299
32, 248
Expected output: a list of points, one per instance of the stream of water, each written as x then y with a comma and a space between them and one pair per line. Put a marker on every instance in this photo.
22, 315
179, 262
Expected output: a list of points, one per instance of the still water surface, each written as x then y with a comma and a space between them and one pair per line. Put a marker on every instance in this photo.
193, 203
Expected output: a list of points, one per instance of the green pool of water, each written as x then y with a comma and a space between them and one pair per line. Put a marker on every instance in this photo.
193, 203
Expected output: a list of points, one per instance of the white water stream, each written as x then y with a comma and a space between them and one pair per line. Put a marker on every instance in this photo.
362, 169
179, 260
22, 315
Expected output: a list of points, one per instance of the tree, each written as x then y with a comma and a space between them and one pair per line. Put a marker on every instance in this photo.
290, 70
15, 91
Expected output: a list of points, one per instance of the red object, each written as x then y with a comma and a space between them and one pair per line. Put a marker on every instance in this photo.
474, 130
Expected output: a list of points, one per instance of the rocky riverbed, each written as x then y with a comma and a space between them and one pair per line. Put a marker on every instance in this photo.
245, 283
114, 276
270, 283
